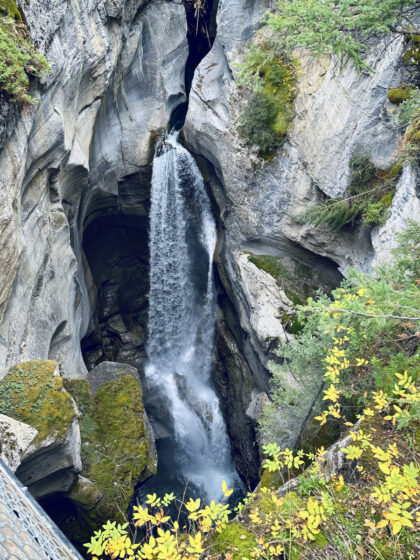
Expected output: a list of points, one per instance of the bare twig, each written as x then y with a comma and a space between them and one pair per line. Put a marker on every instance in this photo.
343, 310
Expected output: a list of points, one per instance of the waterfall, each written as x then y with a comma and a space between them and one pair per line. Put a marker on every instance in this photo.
181, 319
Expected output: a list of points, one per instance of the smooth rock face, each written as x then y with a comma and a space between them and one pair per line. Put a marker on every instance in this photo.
51, 466
257, 404
405, 206
264, 303
15, 438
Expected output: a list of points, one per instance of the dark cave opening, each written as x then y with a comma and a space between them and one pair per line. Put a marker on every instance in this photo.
116, 249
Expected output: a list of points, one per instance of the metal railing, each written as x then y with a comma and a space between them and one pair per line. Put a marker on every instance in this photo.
26, 531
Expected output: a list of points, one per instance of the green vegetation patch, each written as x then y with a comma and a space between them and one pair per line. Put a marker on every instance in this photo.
9, 8
269, 111
19, 59
31, 393
115, 448
369, 197
335, 27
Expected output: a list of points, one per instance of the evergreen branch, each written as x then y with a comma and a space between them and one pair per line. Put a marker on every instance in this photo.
341, 200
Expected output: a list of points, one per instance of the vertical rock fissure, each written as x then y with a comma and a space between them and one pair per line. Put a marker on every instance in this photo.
201, 33
182, 304
202, 28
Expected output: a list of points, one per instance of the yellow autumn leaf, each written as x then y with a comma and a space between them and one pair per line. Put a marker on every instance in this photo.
193, 505
331, 394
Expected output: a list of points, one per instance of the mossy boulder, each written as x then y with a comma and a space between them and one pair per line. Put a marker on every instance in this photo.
235, 539
33, 393
116, 451
399, 94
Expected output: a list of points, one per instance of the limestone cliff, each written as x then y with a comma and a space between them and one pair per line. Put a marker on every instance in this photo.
77, 165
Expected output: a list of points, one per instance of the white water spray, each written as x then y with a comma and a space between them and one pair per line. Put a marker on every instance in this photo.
181, 317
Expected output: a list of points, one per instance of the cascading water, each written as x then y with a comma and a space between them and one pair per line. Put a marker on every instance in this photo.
181, 319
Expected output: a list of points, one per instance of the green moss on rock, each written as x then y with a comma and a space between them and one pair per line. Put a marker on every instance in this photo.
115, 448
31, 393
399, 94
271, 479
235, 539
283, 277
9, 8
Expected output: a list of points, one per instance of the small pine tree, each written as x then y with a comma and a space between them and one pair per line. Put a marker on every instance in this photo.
337, 27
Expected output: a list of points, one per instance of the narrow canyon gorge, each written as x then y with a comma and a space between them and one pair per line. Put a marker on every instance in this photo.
155, 259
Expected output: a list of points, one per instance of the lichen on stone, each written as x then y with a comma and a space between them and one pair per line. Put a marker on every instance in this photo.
32, 393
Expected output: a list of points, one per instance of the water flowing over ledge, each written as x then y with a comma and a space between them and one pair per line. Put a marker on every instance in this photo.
181, 319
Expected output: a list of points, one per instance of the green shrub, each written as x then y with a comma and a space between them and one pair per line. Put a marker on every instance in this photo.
382, 313
409, 108
18, 57
256, 123
376, 212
